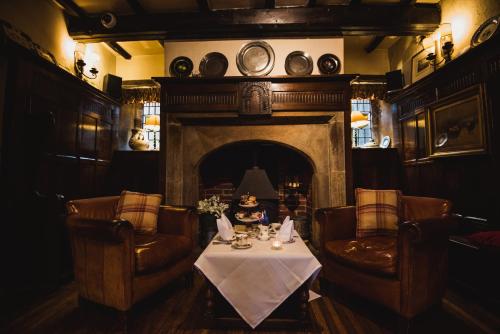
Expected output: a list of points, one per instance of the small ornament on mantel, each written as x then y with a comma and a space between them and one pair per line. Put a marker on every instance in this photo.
137, 141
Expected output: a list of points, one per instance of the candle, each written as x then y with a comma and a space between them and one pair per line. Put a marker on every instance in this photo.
276, 244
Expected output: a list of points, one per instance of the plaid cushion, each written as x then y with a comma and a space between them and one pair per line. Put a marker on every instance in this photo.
141, 210
377, 212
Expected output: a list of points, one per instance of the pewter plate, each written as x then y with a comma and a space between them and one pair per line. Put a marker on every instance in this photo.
213, 65
329, 64
255, 58
298, 63
181, 67
486, 31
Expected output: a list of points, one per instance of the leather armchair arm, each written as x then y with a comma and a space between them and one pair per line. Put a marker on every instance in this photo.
423, 261
426, 230
103, 230
178, 220
336, 223
103, 251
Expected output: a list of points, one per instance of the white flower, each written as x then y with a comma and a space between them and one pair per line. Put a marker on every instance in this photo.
212, 205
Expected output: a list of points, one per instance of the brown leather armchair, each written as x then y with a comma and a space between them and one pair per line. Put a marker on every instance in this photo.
115, 266
407, 273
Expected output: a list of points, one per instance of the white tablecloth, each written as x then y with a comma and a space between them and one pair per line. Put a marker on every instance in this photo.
257, 280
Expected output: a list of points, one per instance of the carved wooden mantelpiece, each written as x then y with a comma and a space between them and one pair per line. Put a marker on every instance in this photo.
233, 100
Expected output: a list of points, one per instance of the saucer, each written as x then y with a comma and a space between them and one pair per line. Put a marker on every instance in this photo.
236, 246
219, 238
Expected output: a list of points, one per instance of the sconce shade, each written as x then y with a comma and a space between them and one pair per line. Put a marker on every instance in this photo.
153, 120
358, 120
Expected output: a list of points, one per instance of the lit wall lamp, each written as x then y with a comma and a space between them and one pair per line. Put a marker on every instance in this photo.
446, 41
80, 63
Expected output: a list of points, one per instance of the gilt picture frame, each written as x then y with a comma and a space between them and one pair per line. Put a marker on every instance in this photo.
420, 65
457, 125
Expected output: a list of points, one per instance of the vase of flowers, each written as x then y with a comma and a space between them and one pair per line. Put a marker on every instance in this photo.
209, 210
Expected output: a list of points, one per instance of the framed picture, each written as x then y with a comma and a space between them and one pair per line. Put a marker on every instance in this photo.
457, 125
420, 65
409, 136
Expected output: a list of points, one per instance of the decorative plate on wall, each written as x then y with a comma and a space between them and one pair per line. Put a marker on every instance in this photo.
255, 58
298, 63
486, 31
329, 64
181, 67
213, 65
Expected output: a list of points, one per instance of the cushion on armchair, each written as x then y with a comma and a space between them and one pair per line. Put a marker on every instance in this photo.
377, 212
141, 210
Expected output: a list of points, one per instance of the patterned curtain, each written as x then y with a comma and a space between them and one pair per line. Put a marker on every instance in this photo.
369, 91
141, 95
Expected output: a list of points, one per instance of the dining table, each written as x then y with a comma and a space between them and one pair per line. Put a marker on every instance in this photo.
257, 280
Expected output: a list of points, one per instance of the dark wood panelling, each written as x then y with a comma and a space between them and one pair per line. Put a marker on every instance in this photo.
470, 180
58, 136
376, 168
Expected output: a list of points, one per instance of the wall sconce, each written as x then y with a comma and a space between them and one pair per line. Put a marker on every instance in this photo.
446, 41
80, 63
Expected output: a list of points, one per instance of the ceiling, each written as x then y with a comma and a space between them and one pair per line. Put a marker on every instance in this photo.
154, 47
123, 7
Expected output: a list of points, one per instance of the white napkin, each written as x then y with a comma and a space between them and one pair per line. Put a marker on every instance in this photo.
227, 222
286, 231
225, 232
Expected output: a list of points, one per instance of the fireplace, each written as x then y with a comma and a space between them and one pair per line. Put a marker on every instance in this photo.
289, 172
208, 136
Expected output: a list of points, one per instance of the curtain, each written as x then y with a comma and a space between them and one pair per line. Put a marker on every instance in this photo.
369, 91
140, 95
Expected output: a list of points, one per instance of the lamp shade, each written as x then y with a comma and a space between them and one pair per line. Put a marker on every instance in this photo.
152, 121
358, 120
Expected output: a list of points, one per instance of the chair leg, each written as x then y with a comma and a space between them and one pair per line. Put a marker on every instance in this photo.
403, 325
124, 321
189, 280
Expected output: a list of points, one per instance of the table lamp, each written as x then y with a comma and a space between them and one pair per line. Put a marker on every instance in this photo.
153, 124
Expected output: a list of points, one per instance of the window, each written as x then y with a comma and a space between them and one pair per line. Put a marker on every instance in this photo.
363, 135
152, 132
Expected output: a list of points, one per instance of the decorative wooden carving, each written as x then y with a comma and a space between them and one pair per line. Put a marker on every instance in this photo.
212, 99
308, 97
255, 98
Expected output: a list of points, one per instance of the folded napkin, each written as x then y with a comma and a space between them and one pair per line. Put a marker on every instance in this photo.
286, 231
225, 232
227, 222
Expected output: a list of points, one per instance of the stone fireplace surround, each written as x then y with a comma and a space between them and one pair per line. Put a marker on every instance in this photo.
322, 143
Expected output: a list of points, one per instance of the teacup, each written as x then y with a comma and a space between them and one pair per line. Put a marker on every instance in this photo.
276, 226
241, 239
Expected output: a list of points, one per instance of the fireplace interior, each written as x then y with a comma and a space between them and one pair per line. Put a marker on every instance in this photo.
288, 171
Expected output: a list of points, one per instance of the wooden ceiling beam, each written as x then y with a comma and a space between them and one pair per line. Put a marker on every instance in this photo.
118, 49
136, 6
71, 8
374, 43
338, 20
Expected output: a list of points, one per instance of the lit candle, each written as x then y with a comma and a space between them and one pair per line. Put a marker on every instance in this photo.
276, 244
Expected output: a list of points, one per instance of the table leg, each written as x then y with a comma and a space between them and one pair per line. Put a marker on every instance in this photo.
209, 311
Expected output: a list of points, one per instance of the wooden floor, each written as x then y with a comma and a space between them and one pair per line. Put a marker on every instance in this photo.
178, 309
